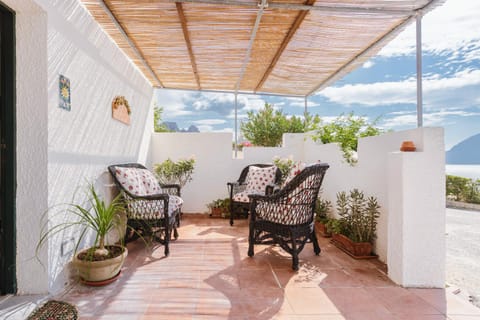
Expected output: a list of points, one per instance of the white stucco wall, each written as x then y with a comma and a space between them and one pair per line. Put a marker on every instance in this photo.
401, 197
31, 139
60, 151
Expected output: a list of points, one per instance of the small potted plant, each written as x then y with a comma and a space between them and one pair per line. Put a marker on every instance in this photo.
170, 172
102, 262
355, 231
219, 208
322, 217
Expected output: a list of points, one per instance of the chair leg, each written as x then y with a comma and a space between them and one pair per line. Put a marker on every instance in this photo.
316, 247
175, 233
251, 240
294, 255
168, 234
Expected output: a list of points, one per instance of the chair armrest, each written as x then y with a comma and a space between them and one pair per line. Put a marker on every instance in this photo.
172, 189
235, 187
271, 189
158, 196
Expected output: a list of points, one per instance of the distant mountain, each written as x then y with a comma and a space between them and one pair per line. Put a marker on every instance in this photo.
172, 126
465, 152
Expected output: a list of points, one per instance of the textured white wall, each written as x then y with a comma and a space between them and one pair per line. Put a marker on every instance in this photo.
31, 113
393, 185
60, 37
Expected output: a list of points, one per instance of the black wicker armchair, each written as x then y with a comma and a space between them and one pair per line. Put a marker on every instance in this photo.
152, 208
239, 191
287, 217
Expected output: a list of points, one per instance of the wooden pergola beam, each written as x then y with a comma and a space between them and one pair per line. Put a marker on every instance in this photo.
186, 35
296, 24
130, 42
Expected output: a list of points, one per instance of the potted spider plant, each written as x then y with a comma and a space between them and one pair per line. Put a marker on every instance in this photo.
101, 263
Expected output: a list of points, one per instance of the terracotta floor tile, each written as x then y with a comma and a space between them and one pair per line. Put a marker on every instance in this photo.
354, 300
402, 301
208, 275
308, 301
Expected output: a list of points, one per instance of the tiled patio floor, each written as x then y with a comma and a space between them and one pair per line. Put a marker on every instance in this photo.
208, 275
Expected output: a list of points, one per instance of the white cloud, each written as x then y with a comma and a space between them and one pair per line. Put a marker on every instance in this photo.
409, 119
448, 29
368, 64
209, 122
435, 90
173, 102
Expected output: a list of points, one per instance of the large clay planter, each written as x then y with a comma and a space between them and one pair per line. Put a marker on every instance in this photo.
96, 271
355, 249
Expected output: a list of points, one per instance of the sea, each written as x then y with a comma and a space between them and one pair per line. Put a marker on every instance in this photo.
471, 171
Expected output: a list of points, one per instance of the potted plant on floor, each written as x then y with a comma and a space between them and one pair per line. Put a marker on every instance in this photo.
322, 217
102, 262
219, 208
356, 229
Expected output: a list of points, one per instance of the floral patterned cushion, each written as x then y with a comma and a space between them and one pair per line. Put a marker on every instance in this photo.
258, 179
298, 166
243, 196
139, 182
296, 169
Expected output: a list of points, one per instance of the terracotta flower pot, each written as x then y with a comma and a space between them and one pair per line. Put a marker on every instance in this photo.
408, 146
322, 230
96, 271
216, 212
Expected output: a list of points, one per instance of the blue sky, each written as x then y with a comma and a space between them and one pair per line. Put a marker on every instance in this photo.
385, 86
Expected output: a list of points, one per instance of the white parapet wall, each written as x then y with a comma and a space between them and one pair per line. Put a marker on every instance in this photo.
408, 207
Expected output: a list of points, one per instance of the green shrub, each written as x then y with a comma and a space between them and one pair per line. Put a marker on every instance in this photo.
358, 216
170, 172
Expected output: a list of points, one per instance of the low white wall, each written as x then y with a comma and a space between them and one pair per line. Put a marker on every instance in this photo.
372, 174
60, 151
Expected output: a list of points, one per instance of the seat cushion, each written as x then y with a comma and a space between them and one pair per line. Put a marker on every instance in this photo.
139, 182
258, 179
243, 196
152, 209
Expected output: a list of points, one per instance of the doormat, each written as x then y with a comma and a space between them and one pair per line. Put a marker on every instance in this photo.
55, 310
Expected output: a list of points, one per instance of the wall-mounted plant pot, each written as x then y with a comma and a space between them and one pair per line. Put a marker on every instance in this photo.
357, 250
408, 146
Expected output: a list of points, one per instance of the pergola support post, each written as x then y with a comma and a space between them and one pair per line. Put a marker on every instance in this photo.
419, 71
236, 127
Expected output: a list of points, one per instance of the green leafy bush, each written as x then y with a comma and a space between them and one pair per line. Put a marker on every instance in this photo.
285, 165
322, 210
346, 130
170, 172
463, 189
358, 216
267, 126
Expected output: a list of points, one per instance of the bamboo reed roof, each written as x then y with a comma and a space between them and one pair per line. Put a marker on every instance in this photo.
286, 47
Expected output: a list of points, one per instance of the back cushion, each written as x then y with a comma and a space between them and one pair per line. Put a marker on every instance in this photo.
258, 178
140, 182
296, 169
